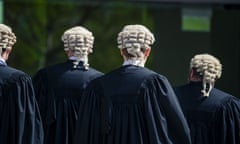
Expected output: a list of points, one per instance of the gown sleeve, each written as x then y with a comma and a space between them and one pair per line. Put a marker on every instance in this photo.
227, 123
46, 101
23, 117
88, 129
165, 120
40, 86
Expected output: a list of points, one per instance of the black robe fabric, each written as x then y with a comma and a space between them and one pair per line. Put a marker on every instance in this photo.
58, 90
131, 105
212, 120
20, 121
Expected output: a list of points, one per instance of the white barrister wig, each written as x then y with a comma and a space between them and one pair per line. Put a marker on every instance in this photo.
134, 38
209, 67
79, 40
7, 37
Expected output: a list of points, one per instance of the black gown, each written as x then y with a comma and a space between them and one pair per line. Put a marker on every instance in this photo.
131, 105
212, 120
20, 121
58, 90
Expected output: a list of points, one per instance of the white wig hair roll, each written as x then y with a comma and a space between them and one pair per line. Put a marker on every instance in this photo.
135, 38
7, 37
209, 67
80, 41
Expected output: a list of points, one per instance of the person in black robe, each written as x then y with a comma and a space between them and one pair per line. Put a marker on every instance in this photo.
20, 121
213, 115
59, 87
131, 104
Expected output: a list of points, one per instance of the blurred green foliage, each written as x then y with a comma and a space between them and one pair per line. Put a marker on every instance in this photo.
40, 24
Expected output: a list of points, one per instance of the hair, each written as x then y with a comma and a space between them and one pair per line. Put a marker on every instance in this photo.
80, 41
208, 68
7, 38
135, 39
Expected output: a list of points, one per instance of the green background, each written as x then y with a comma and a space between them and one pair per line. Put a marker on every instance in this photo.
39, 25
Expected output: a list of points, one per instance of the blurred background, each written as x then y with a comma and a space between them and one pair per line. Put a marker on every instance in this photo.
182, 29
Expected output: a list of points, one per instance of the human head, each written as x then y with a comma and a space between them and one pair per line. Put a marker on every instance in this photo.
78, 42
205, 68
7, 40
134, 42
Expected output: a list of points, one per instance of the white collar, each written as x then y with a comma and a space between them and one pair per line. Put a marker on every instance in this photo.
133, 62
2, 61
72, 58
75, 58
